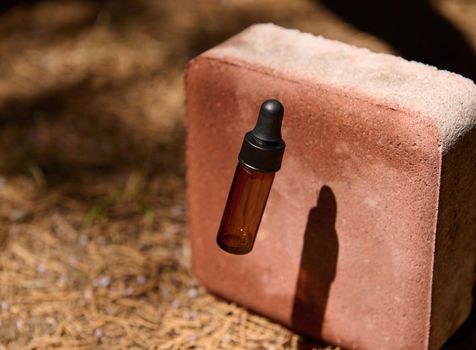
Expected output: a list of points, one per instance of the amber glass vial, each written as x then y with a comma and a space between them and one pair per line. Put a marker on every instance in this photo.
259, 159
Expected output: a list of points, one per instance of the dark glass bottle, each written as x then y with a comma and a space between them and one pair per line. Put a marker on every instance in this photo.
259, 159
244, 209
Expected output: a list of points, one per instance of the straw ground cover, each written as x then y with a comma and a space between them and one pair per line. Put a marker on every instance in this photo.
93, 241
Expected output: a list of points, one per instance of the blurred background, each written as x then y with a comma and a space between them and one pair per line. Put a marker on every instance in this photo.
93, 243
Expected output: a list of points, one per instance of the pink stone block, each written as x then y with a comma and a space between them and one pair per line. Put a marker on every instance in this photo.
368, 240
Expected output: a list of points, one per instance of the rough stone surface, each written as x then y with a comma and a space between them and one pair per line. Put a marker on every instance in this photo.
368, 238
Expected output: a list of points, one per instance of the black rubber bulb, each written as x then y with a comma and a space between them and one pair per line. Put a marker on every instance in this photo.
270, 118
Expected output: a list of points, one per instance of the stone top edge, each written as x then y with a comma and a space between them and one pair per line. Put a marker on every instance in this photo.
447, 98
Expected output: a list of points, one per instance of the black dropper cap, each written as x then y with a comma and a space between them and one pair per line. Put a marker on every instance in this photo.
263, 147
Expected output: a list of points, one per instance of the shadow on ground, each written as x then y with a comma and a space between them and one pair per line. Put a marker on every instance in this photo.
67, 130
414, 28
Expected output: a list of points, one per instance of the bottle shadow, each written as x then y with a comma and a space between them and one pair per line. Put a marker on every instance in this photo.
318, 265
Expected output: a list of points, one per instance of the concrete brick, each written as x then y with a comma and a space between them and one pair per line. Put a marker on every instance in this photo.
368, 239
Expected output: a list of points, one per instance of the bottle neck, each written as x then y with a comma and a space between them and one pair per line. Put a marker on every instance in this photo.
260, 155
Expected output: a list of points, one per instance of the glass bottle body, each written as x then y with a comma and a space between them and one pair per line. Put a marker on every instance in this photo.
244, 209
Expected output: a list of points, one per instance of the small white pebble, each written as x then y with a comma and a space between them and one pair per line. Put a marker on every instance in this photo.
190, 316
192, 293
62, 280
172, 230
14, 230
18, 324
177, 210
176, 303
4, 305
88, 294
140, 279
102, 282
49, 320
226, 338
98, 333
20, 216
165, 292
40, 268
83, 239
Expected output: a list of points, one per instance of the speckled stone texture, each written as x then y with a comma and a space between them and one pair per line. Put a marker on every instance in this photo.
368, 240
